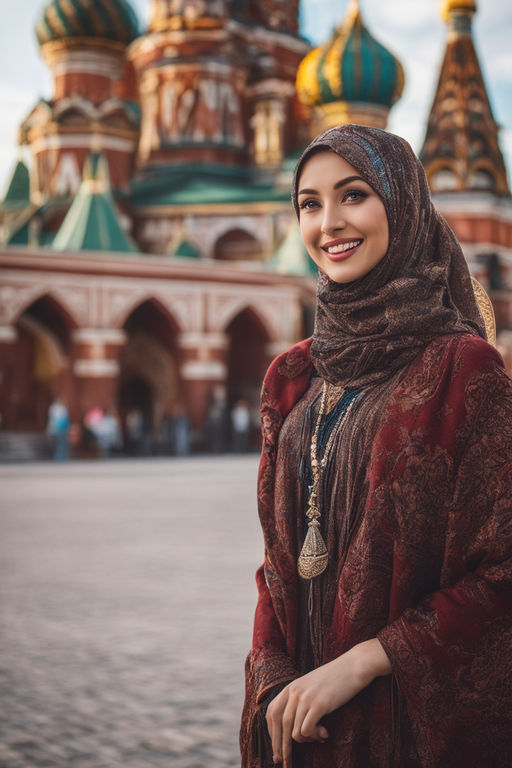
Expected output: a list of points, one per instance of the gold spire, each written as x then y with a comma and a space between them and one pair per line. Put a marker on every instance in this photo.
353, 10
447, 6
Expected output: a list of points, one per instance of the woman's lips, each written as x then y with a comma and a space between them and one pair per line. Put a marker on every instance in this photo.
339, 250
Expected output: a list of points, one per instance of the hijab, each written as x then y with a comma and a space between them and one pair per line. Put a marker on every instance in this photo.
368, 329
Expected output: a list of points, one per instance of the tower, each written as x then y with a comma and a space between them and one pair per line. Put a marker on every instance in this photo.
94, 102
461, 151
350, 79
465, 167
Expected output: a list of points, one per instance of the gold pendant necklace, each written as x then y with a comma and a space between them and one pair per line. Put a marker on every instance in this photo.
314, 556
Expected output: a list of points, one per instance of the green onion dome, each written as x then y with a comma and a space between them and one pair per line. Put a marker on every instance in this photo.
113, 20
351, 67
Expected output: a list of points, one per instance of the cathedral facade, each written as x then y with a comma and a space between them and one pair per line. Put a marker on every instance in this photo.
151, 260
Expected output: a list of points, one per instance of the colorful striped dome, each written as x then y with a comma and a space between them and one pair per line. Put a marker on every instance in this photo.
113, 20
351, 67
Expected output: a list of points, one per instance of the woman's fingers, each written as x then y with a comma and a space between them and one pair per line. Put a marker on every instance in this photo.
275, 725
297, 731
310, 730
288, 720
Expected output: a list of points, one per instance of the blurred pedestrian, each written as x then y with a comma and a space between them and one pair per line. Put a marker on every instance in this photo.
181, 433
58, 429
241, 424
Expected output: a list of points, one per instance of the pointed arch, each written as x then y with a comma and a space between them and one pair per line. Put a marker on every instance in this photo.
77, 105
150, 300
54, 299
258, 316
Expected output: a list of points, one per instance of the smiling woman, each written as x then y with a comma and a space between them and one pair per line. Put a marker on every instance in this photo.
383, 621
343, 221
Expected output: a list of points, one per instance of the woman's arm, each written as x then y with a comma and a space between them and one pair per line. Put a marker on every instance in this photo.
297, 710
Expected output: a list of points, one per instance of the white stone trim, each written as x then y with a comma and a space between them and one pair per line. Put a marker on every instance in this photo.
8, 334
204, 369
271, 87
99, 336
82, 140
96, 368
196, 339
473, 204
93, 62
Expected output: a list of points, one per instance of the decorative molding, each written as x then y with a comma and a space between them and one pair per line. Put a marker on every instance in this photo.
96, 369
203, 369
82, 141
185, 309
99, 336
196, 339
271, 87
277, 314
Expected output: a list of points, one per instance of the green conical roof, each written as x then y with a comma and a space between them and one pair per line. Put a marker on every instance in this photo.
292, 258
186, 250
92, 222
18, 192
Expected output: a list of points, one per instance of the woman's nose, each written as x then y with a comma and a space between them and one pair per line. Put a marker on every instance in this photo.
332, 220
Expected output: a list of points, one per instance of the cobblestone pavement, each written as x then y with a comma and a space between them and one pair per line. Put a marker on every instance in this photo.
126, 593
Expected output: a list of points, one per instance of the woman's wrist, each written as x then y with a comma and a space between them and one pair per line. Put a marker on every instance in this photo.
371, 660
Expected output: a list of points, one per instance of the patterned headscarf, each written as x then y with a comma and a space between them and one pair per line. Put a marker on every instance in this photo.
367, 329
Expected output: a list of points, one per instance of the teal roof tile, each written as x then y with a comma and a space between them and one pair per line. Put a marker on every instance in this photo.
92, 223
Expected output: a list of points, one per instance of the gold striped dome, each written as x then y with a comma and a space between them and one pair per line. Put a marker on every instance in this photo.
352, 67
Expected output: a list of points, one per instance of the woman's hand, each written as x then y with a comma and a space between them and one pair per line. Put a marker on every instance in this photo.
296, 711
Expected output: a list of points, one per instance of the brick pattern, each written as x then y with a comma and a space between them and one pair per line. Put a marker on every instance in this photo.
127, 596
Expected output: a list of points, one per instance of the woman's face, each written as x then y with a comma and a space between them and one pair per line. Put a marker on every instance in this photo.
343, 221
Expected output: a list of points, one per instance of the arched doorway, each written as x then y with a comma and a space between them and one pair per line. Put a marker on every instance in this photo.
41, 367
149, 392
247, 363
238, 245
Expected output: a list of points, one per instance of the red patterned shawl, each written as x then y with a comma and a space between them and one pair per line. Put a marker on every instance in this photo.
428, 571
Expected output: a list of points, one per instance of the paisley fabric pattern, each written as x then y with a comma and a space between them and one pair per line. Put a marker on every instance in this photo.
427, 569
366, 329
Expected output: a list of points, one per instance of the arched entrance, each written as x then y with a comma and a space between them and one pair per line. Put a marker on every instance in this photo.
41, 367
148, 393
247, 363
238, 245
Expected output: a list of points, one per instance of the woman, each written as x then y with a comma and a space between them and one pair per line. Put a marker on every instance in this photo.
382, 630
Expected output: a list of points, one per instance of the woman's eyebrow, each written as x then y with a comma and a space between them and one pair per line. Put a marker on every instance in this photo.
348, 180
338, 184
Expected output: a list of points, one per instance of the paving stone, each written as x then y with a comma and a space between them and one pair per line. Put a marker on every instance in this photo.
127, 593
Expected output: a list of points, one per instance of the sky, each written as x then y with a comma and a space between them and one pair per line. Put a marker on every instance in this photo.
412, 29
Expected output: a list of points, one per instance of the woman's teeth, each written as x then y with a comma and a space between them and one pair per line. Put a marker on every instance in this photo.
342, 247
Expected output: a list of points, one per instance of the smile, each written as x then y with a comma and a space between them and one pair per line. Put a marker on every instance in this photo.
341, 247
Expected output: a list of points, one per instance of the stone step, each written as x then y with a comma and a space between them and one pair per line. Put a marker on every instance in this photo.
24, 446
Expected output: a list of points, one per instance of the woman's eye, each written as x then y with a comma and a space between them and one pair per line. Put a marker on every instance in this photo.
308, 205
354, 195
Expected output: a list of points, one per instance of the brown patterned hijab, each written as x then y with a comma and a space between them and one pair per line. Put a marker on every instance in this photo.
368, 329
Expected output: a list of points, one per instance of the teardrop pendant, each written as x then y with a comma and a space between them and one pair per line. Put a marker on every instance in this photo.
313, 556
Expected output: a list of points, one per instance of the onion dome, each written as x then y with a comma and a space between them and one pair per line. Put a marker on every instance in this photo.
352, 67
113, 20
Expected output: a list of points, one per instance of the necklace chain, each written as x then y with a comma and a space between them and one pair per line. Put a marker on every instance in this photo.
317, 466
314, 556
